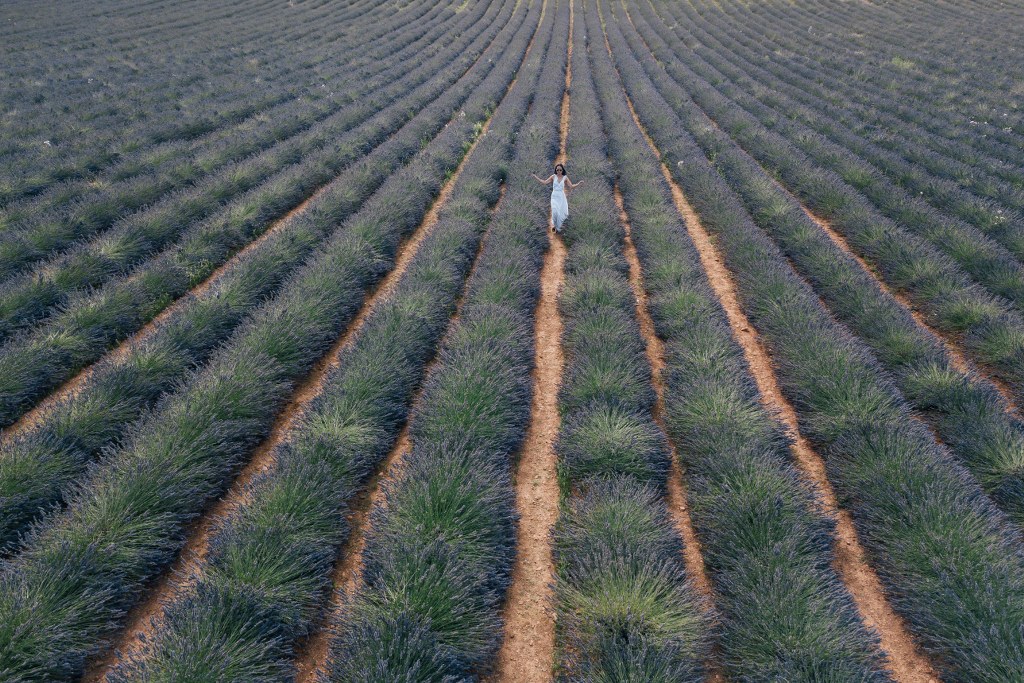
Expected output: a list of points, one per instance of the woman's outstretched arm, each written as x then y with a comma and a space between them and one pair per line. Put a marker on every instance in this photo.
542, 182
572, 185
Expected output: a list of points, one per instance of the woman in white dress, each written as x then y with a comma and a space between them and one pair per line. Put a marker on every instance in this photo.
560, 183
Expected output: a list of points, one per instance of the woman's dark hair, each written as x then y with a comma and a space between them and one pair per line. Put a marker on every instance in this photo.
562, 166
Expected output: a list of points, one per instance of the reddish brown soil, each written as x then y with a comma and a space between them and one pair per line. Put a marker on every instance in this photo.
527, 653
528, 650
656, 357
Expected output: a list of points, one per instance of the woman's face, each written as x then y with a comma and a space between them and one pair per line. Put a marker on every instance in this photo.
558, 171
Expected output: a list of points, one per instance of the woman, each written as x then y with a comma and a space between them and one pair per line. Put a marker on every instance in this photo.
559, 204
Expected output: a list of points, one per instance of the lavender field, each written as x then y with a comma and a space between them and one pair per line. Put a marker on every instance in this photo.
298, 383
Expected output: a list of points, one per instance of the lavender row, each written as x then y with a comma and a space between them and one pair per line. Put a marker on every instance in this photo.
34, 296
968, 414
204, 80
877, 112
951, 175
40, 465
785, 614
440, 546
990, 330
985, 261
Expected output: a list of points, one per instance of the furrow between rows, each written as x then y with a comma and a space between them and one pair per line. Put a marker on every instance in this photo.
527, 649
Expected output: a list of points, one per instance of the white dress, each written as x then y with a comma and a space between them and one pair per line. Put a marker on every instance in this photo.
559, 204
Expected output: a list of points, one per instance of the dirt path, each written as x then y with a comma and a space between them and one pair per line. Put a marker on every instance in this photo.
528, 650
143, 620
563, 128
119, 353
676, 493
527, 653
904, 661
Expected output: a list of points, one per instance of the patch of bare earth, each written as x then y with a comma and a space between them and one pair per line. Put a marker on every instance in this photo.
676, 486
144, 620
527, 652
528, 648
903, 659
